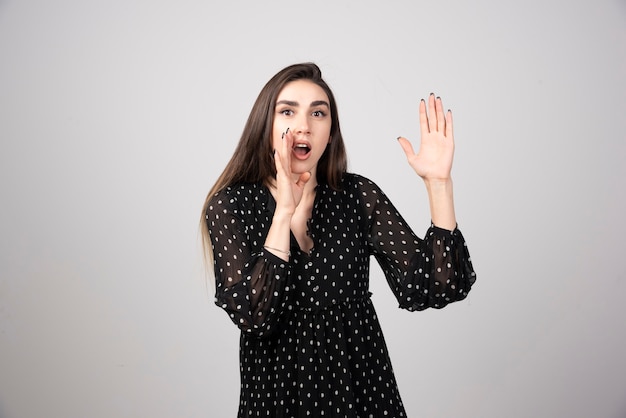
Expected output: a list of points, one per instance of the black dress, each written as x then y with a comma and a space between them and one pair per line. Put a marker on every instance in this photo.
311, 344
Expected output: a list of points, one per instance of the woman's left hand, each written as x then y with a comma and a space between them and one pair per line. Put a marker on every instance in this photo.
433, 161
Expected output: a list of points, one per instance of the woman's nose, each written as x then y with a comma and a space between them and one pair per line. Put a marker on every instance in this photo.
302, 125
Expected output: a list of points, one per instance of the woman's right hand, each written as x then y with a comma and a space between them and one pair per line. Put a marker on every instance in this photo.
289, 186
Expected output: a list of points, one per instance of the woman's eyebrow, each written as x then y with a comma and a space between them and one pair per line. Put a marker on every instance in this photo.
288, 103
296, 104
320, 103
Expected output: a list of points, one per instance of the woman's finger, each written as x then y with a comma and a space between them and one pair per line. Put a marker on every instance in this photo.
303, 179
449, 131
441, 119
287, 145
278, 162
432, 113
282, 157
423, 119
406, 146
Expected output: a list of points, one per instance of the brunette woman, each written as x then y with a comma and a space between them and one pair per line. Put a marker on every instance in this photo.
290, 233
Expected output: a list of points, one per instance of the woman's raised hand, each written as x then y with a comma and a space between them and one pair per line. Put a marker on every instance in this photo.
289, 186
433, 161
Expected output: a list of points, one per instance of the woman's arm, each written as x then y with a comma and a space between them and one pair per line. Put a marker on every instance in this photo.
433, 161
436, 270
288, 194
422, 273
252, 284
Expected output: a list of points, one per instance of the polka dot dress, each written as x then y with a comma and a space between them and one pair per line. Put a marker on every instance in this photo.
311, 343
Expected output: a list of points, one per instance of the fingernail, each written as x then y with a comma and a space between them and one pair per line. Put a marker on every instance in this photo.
432, 94
282, 137
398, 137
287, 131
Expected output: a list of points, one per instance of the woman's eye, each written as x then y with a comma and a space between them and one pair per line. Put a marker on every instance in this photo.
286, 112
319, 113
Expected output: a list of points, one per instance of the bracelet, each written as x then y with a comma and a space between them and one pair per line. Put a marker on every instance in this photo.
276, 249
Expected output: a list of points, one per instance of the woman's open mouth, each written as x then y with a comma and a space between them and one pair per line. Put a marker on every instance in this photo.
301, 151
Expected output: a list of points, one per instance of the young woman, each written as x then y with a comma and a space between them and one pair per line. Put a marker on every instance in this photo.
290, 233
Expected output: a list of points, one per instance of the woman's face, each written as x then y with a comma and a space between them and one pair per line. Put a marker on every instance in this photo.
304, 108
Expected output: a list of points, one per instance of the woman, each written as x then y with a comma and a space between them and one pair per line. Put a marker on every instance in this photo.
290, 233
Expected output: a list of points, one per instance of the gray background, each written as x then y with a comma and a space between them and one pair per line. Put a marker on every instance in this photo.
116, 118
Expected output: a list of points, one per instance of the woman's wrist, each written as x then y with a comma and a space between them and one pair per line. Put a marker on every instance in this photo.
282, 216
441, 199
278, 237
273, 250
439, 185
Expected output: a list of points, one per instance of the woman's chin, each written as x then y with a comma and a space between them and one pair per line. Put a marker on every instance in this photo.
298, 171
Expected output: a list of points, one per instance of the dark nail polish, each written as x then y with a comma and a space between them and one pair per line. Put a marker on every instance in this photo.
287, 131
282, 137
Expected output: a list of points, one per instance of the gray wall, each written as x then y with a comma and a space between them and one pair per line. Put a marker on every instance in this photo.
116, 117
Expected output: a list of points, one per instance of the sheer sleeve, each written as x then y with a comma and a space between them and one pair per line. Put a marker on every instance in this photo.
252, 285
422, 273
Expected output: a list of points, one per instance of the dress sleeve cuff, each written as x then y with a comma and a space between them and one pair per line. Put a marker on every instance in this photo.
273, 258
443, 231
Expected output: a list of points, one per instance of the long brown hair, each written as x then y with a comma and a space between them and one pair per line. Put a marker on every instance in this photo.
252, 160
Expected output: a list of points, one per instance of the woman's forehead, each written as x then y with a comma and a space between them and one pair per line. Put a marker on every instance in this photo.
302, 89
